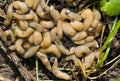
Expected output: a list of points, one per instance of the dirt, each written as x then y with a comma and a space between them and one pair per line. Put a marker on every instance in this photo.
12, 70
7, 68
112, 74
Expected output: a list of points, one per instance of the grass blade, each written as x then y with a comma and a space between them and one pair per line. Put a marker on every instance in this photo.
37, 76
105, 55
111, 35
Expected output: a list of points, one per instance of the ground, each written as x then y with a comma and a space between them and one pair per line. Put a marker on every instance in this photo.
16, 68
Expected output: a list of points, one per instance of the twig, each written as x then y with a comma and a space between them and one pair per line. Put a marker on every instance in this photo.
2, 46
101, 39
83, 71
112, 60
114, 65
28, 76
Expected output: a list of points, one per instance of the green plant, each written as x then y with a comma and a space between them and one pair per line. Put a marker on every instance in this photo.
118, 79
1, 0
111, 8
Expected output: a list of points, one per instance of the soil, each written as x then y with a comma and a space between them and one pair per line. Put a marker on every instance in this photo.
9, 70
13, 70
112, 74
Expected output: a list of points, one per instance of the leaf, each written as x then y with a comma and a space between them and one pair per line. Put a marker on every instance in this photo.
1, 0
105, 55
118, 79
111, 8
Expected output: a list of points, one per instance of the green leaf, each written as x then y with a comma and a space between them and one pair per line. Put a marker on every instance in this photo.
115, 2
111, 8
1, 0
118, 79
105, 55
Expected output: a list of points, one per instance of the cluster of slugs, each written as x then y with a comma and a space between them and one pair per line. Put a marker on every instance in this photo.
34, 28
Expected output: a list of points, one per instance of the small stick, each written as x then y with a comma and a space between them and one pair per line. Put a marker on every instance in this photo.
101, 39
24, 72
114, 65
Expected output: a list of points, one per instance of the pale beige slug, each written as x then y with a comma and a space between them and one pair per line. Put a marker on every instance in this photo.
92, 44
36, 3
89, 38
97, 17
58, 73
31, 51
65, 50
88, 60
46, 42
55, 14
87, 15
79, 42
42, 13
5, 34
12, 47
28, 16
73, 58
98, 29
37, 37
51, 49
26, 45
77, 25
47, 24
79, 36
35, 19
81, 50
23, 34
31, 39
53, 34
67, 29
43, 57
23, 24
19, 48
9, 15
20, 6
59, 30
37, 26
67, 14
30, 3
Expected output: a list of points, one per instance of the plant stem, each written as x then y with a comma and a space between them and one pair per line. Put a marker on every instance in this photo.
37, 76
